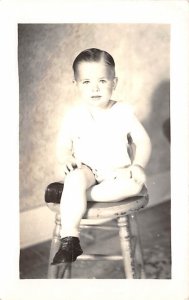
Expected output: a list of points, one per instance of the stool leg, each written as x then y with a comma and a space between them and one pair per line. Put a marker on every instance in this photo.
53, 270
65, 271
139, 264
125, 241
62, 270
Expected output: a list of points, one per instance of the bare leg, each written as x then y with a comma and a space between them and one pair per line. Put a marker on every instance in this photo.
114, 189
73, 201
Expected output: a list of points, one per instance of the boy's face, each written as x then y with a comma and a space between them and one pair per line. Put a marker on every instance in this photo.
95, 82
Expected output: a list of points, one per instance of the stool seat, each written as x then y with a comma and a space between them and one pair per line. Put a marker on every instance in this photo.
101, 210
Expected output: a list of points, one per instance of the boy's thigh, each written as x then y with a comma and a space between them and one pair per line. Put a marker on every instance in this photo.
114, 189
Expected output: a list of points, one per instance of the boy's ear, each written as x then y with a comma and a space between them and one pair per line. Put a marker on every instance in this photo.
115, 81
75, 83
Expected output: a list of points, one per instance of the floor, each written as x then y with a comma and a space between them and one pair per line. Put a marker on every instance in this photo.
155, 231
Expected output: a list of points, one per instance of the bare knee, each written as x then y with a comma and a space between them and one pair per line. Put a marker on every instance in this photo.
80, 177
76, 178
135, 188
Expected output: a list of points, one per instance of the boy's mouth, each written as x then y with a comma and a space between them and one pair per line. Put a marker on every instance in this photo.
96, 97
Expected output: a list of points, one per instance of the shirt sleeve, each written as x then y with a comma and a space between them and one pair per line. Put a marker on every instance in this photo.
141, 141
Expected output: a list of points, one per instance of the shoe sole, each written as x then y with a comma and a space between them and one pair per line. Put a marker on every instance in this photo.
66, 261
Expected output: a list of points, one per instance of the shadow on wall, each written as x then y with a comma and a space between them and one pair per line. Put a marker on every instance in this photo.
167, 129
158, 128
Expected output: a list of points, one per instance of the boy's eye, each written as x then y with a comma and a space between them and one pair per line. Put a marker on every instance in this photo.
102, 81
86, 82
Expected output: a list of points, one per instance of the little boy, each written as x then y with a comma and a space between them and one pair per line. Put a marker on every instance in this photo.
92, 148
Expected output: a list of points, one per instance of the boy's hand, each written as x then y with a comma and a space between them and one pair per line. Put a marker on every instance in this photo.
70, 165
137, 173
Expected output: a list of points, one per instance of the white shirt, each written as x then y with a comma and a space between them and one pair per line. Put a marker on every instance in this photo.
99, 141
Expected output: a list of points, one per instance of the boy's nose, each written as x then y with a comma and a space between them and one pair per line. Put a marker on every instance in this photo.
95, 87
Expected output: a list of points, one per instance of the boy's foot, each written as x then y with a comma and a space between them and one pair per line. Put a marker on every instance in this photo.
69, 250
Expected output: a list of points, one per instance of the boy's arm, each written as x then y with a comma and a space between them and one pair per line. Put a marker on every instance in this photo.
142, 149
142, 143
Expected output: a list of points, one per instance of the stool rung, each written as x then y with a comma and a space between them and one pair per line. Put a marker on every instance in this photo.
99, 257
99, 227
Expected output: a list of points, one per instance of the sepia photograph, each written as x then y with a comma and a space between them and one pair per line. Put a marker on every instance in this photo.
88, 93
94, 150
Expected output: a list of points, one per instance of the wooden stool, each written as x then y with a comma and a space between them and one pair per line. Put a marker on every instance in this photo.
123, 211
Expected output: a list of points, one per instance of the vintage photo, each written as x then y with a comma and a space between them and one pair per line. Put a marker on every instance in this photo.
94, 150
94, 142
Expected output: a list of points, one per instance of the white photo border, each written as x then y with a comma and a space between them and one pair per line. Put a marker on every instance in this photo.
175, 13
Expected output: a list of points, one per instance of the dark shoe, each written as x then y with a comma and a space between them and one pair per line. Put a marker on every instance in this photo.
69, 250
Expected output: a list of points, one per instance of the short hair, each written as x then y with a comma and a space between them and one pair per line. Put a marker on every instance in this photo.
93, 55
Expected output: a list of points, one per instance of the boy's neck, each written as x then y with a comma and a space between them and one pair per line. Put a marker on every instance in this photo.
98, 113
102, 108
